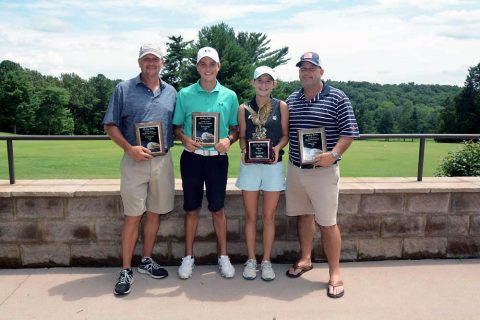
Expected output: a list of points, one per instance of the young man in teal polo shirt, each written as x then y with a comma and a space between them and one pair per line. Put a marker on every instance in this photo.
201, 165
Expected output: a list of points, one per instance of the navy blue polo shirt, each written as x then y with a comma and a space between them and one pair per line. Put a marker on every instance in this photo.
330, 109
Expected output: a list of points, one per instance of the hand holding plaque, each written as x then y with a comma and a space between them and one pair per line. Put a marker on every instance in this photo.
206, 128
311, 142
150, 136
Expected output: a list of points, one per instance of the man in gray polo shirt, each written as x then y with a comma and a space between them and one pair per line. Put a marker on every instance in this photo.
147, 181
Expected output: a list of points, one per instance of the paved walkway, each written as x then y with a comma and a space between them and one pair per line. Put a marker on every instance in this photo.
422, 289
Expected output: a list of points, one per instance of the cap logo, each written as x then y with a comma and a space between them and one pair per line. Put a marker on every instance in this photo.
308, 55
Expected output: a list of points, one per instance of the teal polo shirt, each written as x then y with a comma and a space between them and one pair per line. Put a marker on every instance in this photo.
195, 99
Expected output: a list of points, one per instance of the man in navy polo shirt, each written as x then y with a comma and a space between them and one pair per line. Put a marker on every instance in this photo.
147, 182
312, 189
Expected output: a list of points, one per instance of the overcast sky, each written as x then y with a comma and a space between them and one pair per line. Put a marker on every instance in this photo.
382, 41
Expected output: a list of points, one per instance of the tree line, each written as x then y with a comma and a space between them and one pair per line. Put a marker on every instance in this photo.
32, 103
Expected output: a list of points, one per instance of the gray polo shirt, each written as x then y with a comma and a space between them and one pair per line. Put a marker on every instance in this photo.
133, 102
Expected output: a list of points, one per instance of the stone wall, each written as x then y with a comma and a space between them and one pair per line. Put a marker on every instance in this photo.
78, 223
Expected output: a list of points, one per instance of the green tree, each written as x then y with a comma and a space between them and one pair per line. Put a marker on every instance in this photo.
462, 114
239, 55
103, 88
53, 116
448, 117
178, 61
15, 101
386, 123
236, 66
257, 46
81, 102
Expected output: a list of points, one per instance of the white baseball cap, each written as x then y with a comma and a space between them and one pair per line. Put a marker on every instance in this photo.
150, 48
208, 52
264, 70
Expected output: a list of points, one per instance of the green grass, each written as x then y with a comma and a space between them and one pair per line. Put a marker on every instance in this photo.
100, 159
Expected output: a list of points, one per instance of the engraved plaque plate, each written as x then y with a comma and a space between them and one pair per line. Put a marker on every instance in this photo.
311, 143
206, 128
150, 136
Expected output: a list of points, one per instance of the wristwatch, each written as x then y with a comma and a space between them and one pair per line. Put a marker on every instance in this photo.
231, 140
336, 156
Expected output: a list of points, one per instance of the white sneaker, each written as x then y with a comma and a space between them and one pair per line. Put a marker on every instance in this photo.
226, 268
267, 271
186, 268
250, 269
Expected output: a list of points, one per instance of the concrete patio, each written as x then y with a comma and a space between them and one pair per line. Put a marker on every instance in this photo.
413, 289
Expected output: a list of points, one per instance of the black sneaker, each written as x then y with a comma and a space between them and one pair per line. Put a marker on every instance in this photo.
153, 269
124, 283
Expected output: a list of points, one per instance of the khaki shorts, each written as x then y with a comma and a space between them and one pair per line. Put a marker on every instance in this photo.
147, 185
313, 191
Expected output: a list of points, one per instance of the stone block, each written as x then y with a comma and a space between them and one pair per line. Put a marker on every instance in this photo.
234, 205
206, 232
403, 226
178, 206
475, 225
282, 205
6, 209
45, 255
466, 202
424, 248
34, 208
434, 203
108, 231
378, 204
291, 228
177, 251
318, 255
19, 232
379, 249
67, 232
360, 225
92, 207
447, 225
280, 228
285, 251
171, 229
9, 256
348, 204
160, 252
463, 247
95, 255
237, 251
349, 250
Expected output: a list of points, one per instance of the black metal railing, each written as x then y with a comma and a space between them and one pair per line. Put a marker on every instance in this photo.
421, 150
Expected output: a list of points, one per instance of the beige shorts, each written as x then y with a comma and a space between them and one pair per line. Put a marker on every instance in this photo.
147, 185
313, 191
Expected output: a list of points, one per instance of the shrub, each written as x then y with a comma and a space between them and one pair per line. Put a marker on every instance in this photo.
464, 162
